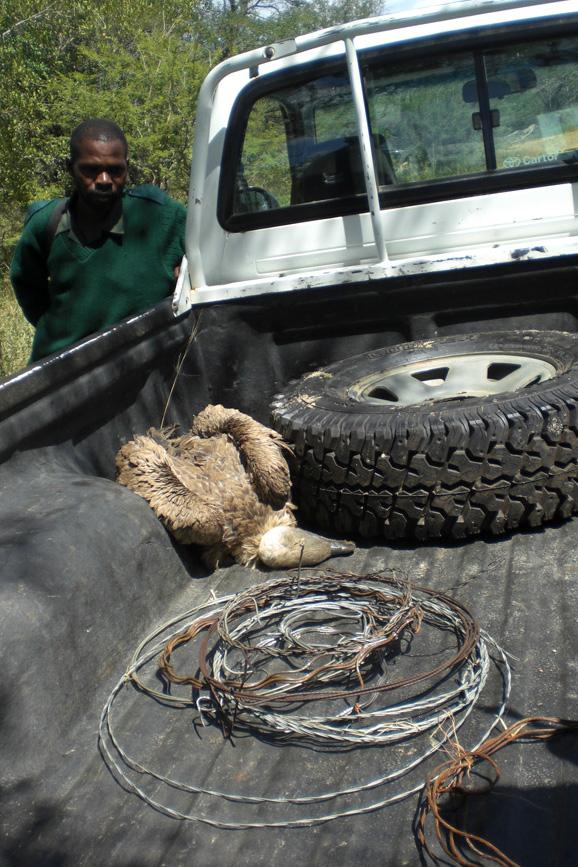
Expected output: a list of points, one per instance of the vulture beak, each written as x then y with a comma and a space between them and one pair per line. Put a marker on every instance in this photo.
286, 547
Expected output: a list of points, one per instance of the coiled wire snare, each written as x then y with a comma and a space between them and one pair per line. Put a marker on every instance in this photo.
324, 659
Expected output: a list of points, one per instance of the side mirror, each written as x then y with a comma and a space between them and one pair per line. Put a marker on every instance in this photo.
260, 199
251, 200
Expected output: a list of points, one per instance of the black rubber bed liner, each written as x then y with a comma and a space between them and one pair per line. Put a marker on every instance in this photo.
87, 573
63, 652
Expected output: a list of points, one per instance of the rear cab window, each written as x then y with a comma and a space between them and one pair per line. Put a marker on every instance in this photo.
446, 120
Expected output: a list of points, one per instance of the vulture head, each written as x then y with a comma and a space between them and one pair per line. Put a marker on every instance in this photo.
224, 486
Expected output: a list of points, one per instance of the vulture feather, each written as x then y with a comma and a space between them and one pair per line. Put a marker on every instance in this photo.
225, 486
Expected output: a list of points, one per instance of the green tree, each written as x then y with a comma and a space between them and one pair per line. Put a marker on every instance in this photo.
140, 62
61, 62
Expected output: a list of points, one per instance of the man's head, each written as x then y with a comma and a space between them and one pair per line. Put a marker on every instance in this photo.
98, 163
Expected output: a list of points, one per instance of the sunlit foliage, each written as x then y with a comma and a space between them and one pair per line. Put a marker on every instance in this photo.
139, 62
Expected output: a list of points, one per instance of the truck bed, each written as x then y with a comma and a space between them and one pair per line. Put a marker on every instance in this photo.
87, 573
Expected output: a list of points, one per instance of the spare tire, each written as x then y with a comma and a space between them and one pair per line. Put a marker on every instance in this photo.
434, 438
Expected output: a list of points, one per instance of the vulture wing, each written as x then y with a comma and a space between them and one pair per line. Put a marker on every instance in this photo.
262, 450
179, 490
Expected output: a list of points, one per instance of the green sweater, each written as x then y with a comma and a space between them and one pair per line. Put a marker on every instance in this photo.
69, 290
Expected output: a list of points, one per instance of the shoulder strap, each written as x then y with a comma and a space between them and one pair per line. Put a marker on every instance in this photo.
52, 225
35, 207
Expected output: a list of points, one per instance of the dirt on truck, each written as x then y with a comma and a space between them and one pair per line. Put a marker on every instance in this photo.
382, 251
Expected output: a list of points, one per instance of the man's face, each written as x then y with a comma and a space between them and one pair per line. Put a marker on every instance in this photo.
99, 172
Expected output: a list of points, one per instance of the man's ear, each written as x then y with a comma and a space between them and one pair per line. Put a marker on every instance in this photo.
69, 164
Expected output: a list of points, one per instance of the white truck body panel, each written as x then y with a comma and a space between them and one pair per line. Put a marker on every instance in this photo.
473, 231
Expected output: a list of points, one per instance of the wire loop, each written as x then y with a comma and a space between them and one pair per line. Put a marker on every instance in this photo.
319, 669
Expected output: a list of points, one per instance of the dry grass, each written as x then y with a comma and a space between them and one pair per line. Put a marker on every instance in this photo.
15, 332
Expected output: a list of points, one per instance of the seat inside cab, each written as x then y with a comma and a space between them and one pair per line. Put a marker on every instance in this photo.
338, 172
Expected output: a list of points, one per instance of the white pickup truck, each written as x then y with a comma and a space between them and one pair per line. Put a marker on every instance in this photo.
382, 244
413, 180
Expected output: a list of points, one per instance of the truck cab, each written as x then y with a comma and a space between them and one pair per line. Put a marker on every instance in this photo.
388, 148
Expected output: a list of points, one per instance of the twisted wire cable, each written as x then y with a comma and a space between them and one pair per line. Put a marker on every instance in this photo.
330, 687
326, 674
446, 785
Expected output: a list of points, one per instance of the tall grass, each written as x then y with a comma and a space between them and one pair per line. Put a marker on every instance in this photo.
15, 332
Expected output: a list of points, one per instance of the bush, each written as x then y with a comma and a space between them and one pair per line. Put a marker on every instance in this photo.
139, 62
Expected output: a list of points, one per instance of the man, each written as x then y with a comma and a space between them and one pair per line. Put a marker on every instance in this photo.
84, 263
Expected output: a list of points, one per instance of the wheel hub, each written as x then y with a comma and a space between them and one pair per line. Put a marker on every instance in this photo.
454, 377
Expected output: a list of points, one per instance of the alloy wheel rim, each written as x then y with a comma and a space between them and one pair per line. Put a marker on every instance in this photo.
454, 377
